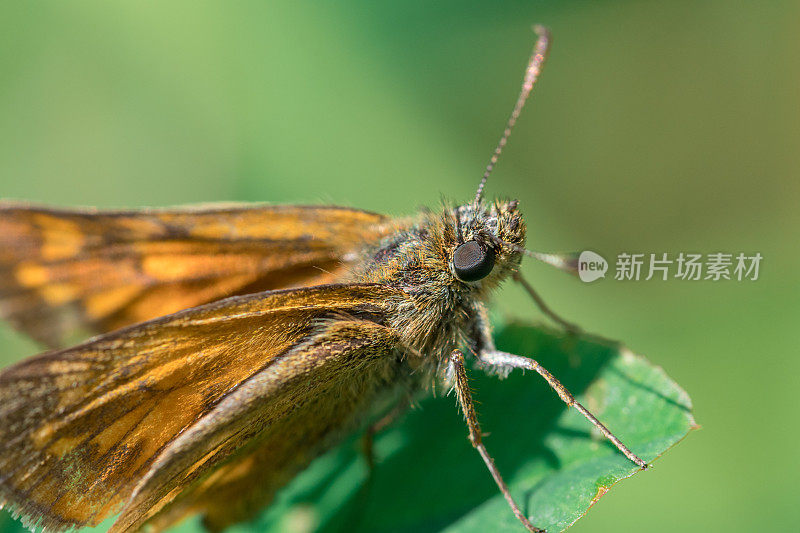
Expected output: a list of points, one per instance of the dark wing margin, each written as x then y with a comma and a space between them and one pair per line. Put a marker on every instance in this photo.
116, 422
64, 269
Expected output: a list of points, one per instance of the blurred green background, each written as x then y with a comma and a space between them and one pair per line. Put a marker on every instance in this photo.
656, 127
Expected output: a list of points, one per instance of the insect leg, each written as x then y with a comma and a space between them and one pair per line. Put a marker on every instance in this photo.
503, 360
378, 426
569, 326
465, 399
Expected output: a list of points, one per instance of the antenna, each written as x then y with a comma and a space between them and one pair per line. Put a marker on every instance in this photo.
564, 261
535, 64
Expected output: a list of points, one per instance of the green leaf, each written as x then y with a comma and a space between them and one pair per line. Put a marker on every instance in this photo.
428, 477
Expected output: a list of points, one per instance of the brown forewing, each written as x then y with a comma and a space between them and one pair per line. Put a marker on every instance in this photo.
152, 410
268, 430
67, 269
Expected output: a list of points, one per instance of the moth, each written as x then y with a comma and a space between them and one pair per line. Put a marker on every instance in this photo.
236, 343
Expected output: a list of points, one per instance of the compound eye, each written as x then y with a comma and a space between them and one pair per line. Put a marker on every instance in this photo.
472, 261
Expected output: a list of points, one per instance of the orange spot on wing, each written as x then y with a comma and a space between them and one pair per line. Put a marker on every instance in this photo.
41, 436
31, 275
175, 267
105, 303
61, 238
65, 445
115, 433
59, 293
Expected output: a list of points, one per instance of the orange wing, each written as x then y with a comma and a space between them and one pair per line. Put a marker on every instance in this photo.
66, 269
143, 418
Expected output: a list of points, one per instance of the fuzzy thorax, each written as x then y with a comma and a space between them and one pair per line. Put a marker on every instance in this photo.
438, 313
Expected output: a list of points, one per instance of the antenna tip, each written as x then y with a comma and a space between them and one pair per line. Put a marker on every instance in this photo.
541, 29
535, 64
